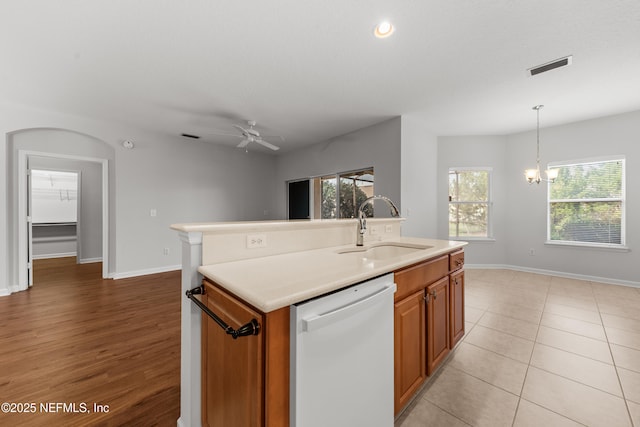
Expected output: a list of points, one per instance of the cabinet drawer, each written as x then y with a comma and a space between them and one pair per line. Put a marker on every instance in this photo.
456, 260
412, 279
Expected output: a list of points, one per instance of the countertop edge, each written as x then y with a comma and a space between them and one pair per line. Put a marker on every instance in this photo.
217, 274
239, 226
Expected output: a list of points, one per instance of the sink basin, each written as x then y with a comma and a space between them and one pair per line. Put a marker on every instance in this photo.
384, 250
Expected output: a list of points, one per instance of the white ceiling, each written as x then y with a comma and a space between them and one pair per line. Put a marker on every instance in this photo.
312, 70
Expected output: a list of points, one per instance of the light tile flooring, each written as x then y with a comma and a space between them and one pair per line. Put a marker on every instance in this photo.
538, 351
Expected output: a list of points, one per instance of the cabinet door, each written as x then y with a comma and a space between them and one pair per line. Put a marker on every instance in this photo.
409, 348
437, 323
232, 370
456, 290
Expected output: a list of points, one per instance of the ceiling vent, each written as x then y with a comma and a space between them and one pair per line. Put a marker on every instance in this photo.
187, 135
557, 63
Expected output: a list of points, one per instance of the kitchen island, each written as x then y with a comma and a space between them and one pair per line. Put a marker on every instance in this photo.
261, 268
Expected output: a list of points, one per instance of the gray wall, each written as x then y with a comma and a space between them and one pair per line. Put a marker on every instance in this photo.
188, 181
520, 209
419, 178
90, 218
184, 180
526, 219
377, 146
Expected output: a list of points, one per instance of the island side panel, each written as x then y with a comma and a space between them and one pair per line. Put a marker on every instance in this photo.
244, 381
233, 369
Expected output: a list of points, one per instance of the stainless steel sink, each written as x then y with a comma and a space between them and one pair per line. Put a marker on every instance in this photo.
387, 250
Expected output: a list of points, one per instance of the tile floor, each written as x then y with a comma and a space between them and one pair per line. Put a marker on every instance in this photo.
538, 351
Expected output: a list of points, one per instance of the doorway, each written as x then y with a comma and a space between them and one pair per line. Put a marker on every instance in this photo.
299, 200
28, 160
54, 209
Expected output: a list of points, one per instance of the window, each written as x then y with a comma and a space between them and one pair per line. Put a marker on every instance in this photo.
586, 203
338, 195
469, 203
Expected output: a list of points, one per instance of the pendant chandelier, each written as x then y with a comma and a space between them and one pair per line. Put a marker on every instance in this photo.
533, 175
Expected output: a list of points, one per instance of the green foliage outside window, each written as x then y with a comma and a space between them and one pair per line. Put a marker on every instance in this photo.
586, 203
469, 203
348, 191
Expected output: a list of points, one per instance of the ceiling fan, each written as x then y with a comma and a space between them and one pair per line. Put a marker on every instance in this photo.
249, 134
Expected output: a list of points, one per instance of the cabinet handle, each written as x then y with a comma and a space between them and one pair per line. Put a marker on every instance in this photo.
433, 294
455, 280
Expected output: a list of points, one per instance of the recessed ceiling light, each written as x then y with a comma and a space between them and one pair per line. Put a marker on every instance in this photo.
383, 29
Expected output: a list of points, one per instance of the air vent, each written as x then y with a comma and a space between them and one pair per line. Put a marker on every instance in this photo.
186, 135
562, 62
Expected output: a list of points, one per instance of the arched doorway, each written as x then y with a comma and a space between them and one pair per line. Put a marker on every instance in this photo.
64, 145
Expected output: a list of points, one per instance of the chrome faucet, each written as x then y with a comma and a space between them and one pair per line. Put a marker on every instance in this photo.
362, 220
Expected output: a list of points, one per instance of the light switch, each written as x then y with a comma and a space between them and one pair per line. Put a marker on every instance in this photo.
153, 212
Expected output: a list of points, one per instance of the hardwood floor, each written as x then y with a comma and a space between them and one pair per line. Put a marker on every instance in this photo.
74, 338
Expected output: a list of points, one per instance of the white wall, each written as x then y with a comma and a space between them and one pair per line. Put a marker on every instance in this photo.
520, 209
477, 151
419, 178
377, 145
183, 180
90, 219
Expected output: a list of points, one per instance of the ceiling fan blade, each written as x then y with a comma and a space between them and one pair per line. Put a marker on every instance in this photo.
244, 143
266, 144
280, 137
215, 132
240, 128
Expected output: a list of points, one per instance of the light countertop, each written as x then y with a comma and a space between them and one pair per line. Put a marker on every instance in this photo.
272, 282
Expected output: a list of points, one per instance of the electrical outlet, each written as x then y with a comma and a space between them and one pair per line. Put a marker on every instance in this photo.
256, 241
388, 228
153, 212
166, 251
532, 251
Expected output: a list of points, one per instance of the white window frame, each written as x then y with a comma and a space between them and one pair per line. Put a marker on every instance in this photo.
489, 170
622, 199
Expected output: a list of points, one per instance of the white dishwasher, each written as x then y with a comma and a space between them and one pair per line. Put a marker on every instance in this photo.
342, 357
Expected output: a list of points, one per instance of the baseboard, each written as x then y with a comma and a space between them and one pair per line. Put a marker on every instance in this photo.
58, 255
145, 272
598, 279
90, 260
4, 292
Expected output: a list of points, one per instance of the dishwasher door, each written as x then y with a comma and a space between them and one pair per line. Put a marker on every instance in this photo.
342, 357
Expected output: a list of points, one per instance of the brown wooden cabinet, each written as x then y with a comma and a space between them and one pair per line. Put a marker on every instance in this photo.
437, 323
245, 380
429, 320
456, 311
409, 347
